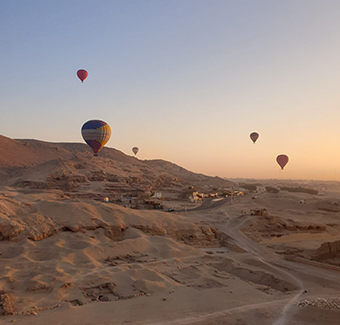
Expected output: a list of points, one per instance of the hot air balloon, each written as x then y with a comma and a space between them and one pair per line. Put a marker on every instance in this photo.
282, 160
82, 74
96, 134
254, 136
135, 150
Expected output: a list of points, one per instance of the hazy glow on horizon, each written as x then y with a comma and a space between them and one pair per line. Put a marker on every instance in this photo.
185, 81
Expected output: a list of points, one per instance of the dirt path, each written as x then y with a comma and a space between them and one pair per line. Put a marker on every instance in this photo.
194, 319
266, 257
290, 271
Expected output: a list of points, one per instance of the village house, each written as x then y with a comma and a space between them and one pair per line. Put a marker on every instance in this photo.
131, 201
195, 197
259, 212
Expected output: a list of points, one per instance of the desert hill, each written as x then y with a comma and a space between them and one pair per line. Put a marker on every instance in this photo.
26, 152
72, 167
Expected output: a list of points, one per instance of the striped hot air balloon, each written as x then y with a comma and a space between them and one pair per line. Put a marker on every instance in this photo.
135, 150
96, 134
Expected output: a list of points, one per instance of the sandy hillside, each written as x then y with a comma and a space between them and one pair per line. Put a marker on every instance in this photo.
268, 257
72, 167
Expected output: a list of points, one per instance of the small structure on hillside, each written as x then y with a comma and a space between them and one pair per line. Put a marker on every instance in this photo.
157, 195
130, 201
259, 212
153, 204
195, 197
261, 189
237, 193
145, 195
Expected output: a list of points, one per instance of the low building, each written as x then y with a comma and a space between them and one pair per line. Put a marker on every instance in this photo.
195, 197
238, 193
130, 201
157, 195
144, 195
259, 212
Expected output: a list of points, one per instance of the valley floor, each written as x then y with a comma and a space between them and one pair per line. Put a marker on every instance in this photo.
82, 262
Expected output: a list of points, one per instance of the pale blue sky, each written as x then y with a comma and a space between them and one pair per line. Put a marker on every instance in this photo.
184, 80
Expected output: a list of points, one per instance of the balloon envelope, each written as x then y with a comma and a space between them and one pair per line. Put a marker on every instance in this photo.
282, 160
82, 74
96, 134
135, 150
254, 136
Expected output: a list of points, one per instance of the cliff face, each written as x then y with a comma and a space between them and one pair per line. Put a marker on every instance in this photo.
328, 250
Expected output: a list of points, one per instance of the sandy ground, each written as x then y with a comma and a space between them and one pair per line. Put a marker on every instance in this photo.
80, 261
